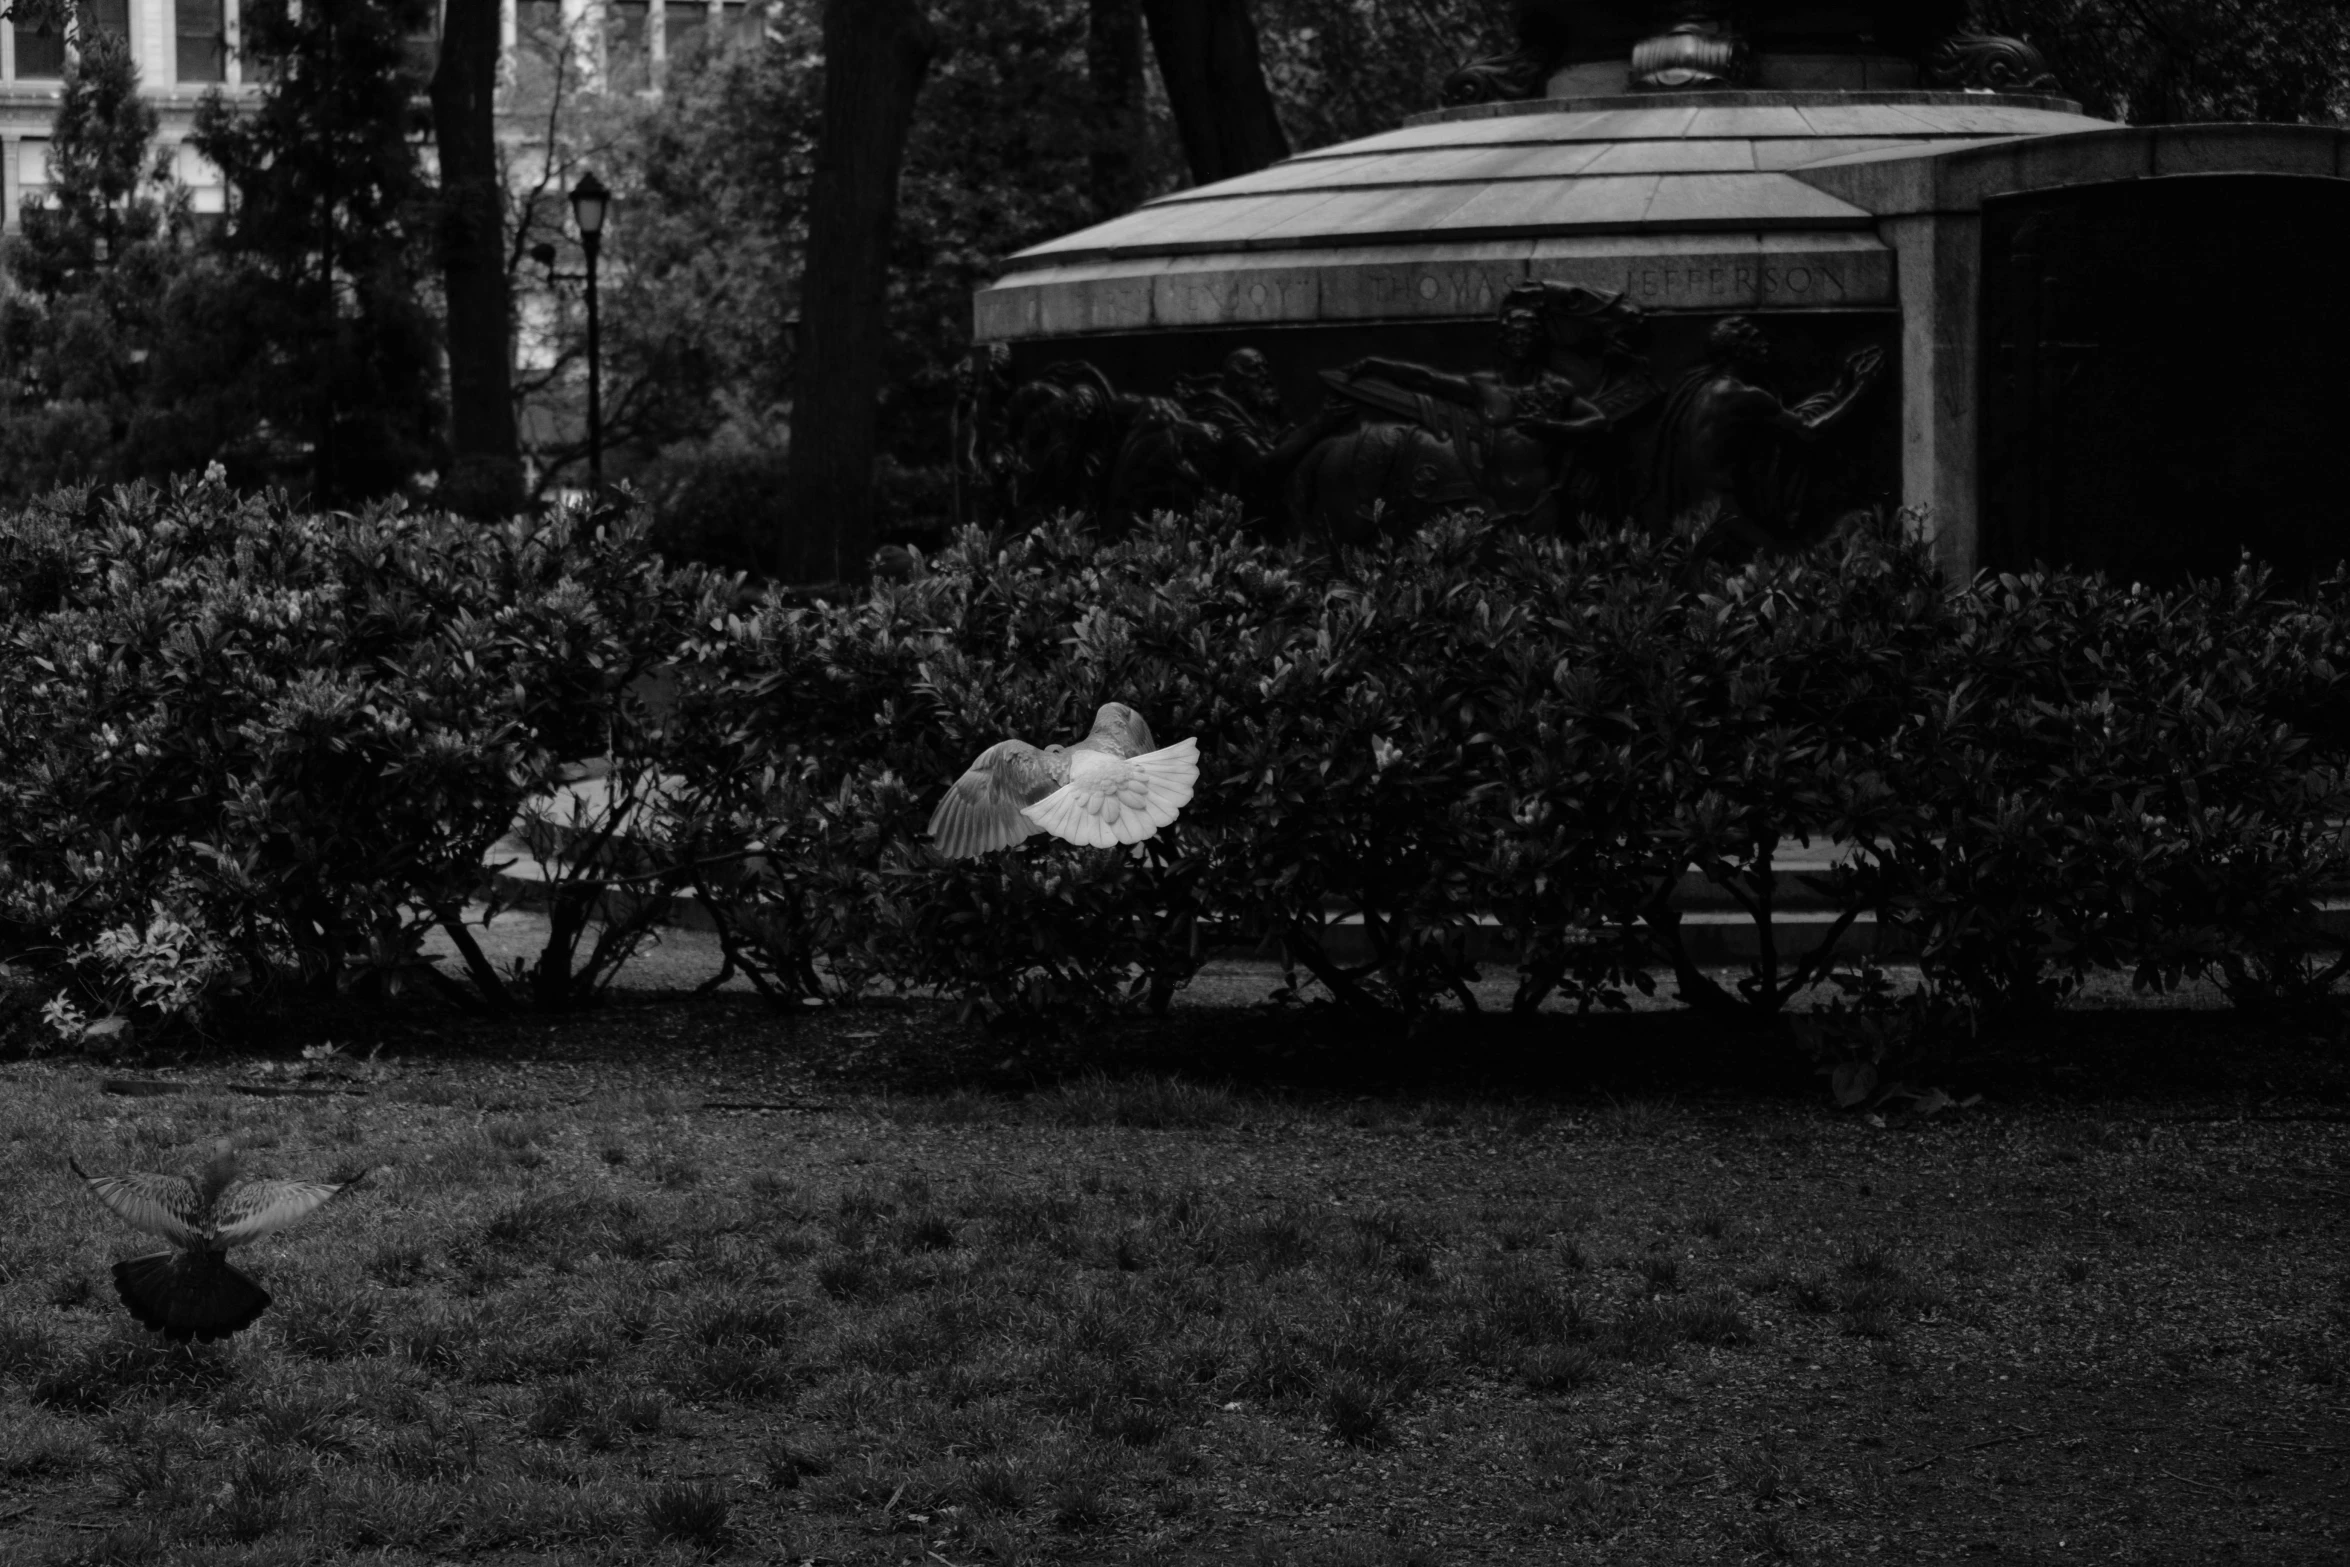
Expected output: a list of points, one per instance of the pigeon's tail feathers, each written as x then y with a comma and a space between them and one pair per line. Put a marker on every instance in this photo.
189, 1295
1119, 802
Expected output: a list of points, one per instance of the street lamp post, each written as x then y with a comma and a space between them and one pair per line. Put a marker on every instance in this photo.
589, 202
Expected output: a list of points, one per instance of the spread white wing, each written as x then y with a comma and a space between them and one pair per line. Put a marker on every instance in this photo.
1111, 800
260, 1208
981, 812
164, 1205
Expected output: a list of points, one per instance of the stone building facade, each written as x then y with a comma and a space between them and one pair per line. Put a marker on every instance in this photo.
187, 48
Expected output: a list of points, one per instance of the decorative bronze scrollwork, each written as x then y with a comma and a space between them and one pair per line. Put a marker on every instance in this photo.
1501, 78
1543, 30
1987, 62
1701, 52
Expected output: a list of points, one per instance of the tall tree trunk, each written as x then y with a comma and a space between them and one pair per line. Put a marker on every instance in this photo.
485, 470
876, 53
1113, 67
1215, 80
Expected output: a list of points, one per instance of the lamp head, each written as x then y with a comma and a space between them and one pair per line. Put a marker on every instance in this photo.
589, 202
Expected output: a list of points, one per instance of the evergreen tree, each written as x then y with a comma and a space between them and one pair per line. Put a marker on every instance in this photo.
307, 356
90, 265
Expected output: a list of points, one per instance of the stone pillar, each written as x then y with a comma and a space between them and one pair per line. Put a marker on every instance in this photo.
1940, 257
509, 40
656, 43
154, 40
11, 189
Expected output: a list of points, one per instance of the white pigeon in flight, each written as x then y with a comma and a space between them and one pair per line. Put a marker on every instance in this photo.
191, 1291
1110, 788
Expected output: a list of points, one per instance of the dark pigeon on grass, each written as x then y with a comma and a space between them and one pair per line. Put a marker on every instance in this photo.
191, 1291
1110, 788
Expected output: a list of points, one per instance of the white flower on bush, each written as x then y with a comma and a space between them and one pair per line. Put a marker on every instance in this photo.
164, 967
65, 1020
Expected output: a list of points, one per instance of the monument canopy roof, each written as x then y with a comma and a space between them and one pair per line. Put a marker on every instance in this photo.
1658, 162
1960, 177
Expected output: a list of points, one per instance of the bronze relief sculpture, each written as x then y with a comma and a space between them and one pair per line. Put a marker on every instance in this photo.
1727, 460
1088, 447
1399, 443
1568, 422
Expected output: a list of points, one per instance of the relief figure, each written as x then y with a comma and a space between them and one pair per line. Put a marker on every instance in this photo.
982, 460
1073, 442
1397, 443
1219, 437
1728, 463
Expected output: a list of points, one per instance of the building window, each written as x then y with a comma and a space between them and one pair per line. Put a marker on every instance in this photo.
540, 21
207, 191
423, 46
32, 174
627, 50
687, 23
693, 28
202, 26
538, 46
40, 53
40, 46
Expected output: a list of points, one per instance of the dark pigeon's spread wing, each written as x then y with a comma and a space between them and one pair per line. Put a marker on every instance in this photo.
981, 812
162, 1205
260, 1208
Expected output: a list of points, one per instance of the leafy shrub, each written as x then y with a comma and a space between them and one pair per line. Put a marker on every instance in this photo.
1345, 732
302, 732
165, 971
2036, 776
831, 729
718, 506
2098, 776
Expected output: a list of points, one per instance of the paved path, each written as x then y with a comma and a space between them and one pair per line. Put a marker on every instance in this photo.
679, 959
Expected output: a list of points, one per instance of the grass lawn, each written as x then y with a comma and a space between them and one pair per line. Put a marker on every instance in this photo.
680, 1278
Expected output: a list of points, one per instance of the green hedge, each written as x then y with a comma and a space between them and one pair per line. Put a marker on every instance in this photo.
297, 734
2041, 775
302, 733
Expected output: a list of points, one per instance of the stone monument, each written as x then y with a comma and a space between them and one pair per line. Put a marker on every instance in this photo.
1737, 269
